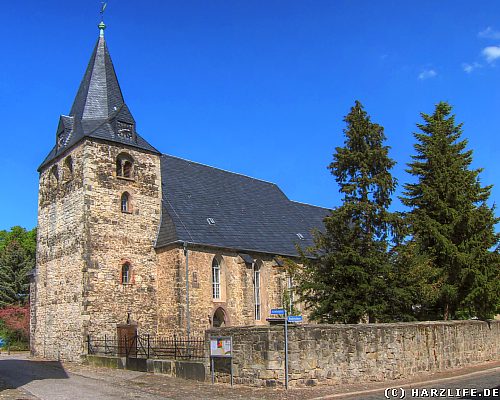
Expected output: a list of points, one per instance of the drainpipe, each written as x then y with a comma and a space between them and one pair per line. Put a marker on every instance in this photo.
188, 316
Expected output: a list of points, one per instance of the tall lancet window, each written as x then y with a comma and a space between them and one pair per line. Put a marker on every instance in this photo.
125, 203
216, 279
126, 274
256, 287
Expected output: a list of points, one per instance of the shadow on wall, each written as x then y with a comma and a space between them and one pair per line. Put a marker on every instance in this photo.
17, 372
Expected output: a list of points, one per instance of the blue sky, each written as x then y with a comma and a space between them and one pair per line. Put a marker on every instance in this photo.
255, 87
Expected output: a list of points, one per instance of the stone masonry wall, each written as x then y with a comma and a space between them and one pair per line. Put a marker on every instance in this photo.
115, 237
83, 240
237, 289
56, 289
170, 308
333, 354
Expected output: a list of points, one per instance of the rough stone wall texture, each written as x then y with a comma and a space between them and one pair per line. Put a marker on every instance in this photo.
115, 238
56, 292
83, 240
170, 281
237, 289
333, 354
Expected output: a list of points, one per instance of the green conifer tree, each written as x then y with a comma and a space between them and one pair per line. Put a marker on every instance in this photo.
7, 280
17, 259
14, 267
450, 220
348, 277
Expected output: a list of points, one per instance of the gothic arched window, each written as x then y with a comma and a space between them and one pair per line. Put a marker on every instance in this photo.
68, 168
126, 272
125, 202
124, 166
216, 295
256, 289
54, 176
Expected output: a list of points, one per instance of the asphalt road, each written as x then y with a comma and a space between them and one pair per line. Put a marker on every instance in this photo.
49, 380
483, 385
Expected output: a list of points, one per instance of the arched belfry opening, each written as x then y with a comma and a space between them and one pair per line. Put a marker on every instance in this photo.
220, 318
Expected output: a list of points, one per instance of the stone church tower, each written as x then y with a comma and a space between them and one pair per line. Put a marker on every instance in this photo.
130, 239
98, 217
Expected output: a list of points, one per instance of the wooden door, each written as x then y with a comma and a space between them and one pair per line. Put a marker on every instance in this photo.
126, 335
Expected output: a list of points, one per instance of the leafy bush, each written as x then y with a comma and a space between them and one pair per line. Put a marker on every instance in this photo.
14, 327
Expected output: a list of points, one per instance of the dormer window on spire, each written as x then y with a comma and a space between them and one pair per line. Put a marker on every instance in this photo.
99, 110
125, 130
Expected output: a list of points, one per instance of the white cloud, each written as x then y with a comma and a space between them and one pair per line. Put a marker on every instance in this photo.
491, 53
427, 74
489, 33
470, 67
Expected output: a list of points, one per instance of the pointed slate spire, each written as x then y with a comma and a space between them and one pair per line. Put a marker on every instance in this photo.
99, 95
99, 110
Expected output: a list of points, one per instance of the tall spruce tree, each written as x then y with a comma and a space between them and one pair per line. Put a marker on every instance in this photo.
348, 277
7, 283
450, 220
17, 258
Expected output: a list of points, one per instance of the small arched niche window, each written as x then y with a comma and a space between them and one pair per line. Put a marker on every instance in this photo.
216, 292
124, 166
126, 273
125, 203
219, 319
54, 176
68, 168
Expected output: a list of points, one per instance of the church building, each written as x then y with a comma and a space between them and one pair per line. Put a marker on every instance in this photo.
129, 237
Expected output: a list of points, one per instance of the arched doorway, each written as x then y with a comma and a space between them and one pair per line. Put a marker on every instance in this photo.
219, 318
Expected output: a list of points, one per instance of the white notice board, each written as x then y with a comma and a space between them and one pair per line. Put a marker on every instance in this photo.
221, 346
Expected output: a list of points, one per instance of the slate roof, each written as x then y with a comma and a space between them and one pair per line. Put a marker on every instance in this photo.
249, 214
97, 107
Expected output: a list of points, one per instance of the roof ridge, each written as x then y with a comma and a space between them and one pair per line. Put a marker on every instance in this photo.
310, 205
224, 170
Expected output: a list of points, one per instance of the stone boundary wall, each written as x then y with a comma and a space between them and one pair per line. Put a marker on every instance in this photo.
194, 370
333, 354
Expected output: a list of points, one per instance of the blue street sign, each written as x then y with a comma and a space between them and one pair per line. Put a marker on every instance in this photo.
295, 318
277, 311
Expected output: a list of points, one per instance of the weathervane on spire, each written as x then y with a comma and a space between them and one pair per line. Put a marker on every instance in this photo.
102, 25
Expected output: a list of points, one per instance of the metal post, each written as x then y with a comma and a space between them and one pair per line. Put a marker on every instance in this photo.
148, 345
188, 317
136, 344
88, 344
231, 360
175, 346
212, 368
231, 370
105, 345
286, 349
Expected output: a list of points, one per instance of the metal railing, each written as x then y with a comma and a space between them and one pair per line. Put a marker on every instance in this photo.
148, 346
